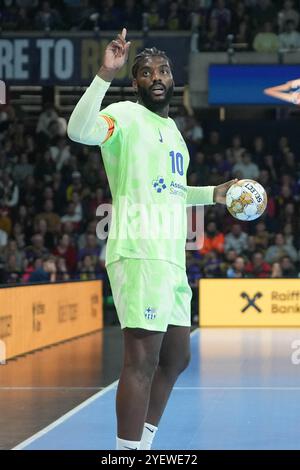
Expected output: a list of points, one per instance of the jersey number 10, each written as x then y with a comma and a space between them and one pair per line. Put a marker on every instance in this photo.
177, 162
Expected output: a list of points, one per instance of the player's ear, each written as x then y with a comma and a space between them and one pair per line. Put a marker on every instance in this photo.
134, 85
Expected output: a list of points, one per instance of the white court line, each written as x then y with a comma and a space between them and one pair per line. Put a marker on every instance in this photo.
68, 415
64, 417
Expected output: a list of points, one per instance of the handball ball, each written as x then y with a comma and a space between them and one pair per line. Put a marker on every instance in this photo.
246, 200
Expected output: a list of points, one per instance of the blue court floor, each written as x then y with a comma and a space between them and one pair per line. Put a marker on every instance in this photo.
241, 391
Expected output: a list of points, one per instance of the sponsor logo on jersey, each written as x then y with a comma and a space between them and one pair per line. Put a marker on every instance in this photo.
159, 184
178, 189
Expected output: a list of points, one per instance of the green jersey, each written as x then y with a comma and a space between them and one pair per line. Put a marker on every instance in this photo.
146, 161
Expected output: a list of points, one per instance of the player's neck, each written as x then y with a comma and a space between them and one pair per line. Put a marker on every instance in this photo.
163, 112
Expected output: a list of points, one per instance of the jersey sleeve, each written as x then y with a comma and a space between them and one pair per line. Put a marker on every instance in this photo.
119, 116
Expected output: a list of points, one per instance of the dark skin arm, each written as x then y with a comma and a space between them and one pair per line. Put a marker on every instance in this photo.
221, 190
115, 56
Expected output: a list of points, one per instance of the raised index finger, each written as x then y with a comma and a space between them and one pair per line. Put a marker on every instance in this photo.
123, 34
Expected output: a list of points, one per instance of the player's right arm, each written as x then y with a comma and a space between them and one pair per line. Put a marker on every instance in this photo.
86, 125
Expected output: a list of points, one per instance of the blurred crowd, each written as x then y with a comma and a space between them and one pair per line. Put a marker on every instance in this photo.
50, 189
265, 248
49, 193
260, 25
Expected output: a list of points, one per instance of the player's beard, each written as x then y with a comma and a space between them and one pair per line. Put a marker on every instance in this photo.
145, 96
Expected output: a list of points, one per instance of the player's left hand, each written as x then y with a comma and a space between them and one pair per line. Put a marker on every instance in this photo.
221, 190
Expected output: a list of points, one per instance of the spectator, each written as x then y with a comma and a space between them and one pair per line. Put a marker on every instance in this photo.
45, 118
61, 269
132, 15
12, 270
66, 250
222, 15
266, 40
212, 265
5, 219
236, 151
52, 219
238, 268
71, 215
76, 185
280, 249
23, 168
154, 20
174, 20
193, 131
288, 267
213, 240
259, 149
257, 267
91, 173
110, 16
221, 167
276, 270
214, 145
41, 227
23, 22
95, 201
91, 229
3, 238
48, 18
288, 232
269, 165
290, 38
91, 249
60, 153
45, 271
288, 13
228, 260
236, 239
87, 269
261, 235
240, 15
45, 168
9, 189
264, 12
246, 168
201, 169
37, 249
78, 207
213, 39
12, 249
243, 36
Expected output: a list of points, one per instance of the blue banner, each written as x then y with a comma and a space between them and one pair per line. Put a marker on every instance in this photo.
254, 84
76, 60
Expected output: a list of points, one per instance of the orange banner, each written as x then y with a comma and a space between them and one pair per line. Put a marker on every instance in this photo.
35, 316
249, 302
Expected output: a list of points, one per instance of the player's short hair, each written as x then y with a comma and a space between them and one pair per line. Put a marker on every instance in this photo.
147, 52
